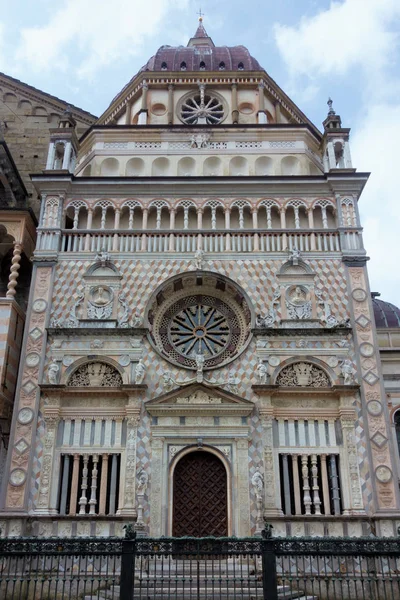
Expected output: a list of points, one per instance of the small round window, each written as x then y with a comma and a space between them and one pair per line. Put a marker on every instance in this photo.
202, 109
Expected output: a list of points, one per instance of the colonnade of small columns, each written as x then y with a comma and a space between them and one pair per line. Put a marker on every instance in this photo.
214, 215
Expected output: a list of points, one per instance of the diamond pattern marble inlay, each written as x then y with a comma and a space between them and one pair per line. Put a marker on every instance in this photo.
370, 378
29, 386
379, 439
36, 333
21, 446
363, 321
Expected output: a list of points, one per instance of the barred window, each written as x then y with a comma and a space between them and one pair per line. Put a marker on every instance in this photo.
89, 484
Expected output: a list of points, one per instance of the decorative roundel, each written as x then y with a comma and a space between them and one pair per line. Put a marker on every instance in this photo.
202, 109
199, 315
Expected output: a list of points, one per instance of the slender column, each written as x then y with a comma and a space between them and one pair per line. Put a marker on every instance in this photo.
324, 217
93, 487
143, 111
296, 217
199, 218
113, 487
172, 227
83, 499
213, 217
89, 218
170, 104
131, 217
158, 218
315, 486
255, 218
283, 218
235, 112
103, 218
325, 485
67, 156
128, 114
50, 156
64, 486
269, 217
74, 485
296, 484
76, 217
144, 227
277, 112
116, 227
347, 156
103, 485
185, 217
331, 156
15, 266
227, 218
262, 116
311, 226
286, 485
334, 484
306, 484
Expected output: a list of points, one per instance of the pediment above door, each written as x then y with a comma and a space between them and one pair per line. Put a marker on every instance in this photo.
200, 400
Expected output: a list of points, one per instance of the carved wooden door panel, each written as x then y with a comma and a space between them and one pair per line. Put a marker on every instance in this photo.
200, 496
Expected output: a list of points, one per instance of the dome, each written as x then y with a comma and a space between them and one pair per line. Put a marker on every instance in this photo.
201, 54
386, 314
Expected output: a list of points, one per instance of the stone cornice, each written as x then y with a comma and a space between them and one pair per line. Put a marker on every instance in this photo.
301, 332
100, 332
64, 390
277, 390
194, 410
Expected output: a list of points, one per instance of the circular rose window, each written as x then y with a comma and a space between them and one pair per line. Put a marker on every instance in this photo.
199, 316
202, 109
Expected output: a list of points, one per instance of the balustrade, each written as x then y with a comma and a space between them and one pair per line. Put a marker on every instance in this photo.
155, 241
310, 483
86, 488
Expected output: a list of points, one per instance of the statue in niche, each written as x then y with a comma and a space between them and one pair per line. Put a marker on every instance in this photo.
101, 296
143, 480
297, 305
168, 381
262, 373
299, 296
295, 256
257, 482
136, 320
348, 372
200, 359
52, 373
102, 257
140, 372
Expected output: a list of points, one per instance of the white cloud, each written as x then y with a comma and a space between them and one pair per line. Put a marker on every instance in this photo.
99, 32
353, 33
375, 148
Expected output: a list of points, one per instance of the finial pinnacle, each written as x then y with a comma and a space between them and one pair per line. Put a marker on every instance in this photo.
201, 15
329, 103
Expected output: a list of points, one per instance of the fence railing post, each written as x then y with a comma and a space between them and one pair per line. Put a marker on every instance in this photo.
128, 564
268, 557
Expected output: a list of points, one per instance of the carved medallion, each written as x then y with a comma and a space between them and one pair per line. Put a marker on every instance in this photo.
383, 474
17, 477
25, 416
274, 361
32, 359
374, 408
359, 295
39, 305
367, 350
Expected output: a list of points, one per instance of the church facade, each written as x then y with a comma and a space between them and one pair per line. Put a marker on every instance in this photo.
200, 351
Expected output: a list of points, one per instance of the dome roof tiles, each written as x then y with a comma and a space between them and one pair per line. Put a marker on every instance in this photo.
387, 315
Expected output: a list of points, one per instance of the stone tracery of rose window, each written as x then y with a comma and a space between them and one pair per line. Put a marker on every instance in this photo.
199, 319
202, 108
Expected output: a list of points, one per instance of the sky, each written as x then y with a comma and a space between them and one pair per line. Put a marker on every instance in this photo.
85, 51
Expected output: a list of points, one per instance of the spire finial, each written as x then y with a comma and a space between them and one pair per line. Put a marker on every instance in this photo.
329, 103
201, 15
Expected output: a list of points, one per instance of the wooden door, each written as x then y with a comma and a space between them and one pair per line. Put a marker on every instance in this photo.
200, 498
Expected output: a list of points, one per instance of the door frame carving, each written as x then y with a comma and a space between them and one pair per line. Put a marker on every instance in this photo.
174, 462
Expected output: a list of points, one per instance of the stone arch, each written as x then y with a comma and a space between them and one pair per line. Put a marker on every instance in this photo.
87, 171
172, 466
186, 214
264, 165
213, 214
97, 372
212, 166
135, 167
308, 372
39, 111
161, 167
109, 167
239, 165
290, 165
186, 167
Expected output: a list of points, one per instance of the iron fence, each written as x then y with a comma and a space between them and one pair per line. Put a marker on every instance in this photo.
263, 568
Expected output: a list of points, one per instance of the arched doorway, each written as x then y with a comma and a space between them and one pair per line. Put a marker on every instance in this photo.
200, 496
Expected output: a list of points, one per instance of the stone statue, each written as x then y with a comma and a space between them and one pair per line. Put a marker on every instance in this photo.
299, 296
101, 296
200, 359
52, 373
136, 320
199, 258
348, 371
232, 382
257, 481
143, 480
168, 381
140, 372
102, 257
295, 255
262, 373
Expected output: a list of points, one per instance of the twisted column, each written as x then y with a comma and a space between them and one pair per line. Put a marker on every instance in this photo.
15, 266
